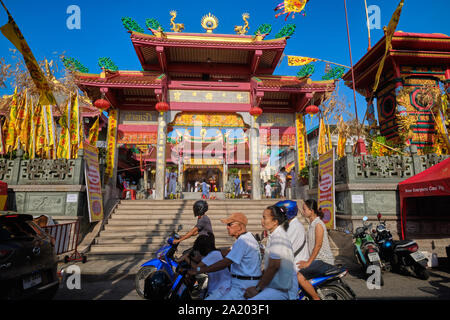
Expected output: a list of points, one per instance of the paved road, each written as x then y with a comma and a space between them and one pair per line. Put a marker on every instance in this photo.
121, 287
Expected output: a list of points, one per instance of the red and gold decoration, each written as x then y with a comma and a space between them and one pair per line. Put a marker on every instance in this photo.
162, 107
256, 112
102, 104
295, 61
312, 110
289, 7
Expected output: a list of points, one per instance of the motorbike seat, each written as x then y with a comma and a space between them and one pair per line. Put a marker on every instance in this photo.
404, 243
333, 271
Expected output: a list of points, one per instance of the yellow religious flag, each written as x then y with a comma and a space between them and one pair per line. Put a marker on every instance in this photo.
295, 61
32, 132
341, 140
389, 34
23, 131
294, 5
20, 118
301, 152
11, 135
111, 147
63, 150
442, 129
321, 148
12, 32
75, 127
2, 130
41, 139
93, 133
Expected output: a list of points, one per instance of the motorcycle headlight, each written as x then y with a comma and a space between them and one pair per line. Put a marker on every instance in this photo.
387, 244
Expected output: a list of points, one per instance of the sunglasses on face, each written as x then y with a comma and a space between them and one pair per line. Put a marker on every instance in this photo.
230, 224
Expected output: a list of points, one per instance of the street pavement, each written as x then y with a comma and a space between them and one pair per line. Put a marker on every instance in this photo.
120, 286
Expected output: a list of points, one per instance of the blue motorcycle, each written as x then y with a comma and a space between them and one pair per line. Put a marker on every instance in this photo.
163, 262
330, 287
163, 278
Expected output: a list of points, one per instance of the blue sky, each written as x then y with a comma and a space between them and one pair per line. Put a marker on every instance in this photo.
321, 33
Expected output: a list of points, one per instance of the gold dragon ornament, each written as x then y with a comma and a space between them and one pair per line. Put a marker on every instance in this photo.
176, 27
241, 30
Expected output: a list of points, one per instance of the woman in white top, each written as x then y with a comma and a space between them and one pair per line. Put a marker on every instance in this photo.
219, 282
321, 258
296, 233
279, 274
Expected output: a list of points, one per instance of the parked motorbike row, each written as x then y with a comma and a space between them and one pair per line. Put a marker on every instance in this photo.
375, 248
163, 278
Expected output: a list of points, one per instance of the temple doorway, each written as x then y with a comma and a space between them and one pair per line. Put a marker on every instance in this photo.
195, 176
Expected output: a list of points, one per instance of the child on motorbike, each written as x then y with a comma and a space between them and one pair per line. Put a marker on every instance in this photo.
219, 282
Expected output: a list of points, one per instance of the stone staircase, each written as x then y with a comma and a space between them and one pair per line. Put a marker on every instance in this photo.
141, 227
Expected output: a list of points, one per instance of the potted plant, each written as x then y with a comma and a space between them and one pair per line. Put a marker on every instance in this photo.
304, 176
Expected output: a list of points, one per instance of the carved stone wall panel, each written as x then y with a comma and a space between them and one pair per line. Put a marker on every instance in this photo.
45, 203
53, 172
384, 202
7, 170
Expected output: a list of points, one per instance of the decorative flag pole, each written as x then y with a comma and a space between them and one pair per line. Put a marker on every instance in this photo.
360, 145
368, 26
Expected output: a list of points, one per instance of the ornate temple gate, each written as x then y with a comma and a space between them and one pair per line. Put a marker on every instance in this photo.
217, 77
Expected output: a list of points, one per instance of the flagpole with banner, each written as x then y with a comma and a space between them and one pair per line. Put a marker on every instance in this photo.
389, 35
12, 32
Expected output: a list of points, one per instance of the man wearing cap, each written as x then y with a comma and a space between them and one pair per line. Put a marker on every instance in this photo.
243, 258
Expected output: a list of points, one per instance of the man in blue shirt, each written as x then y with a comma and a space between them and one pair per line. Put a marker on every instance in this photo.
205, 190
237, 187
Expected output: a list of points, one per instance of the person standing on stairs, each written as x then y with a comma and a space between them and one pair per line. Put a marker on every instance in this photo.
203, 226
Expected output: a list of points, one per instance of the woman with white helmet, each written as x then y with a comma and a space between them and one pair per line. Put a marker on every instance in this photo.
296, 234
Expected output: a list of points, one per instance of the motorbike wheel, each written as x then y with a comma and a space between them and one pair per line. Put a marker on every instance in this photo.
139, 280
421, 272
334, 292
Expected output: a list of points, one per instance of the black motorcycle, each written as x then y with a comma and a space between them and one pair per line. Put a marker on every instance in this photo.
401, 256
366, 250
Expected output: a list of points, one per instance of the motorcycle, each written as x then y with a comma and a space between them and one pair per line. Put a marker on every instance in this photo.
163, 278
366, 250
403, 255
330, 286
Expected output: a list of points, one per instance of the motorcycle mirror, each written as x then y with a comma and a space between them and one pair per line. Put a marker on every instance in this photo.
180, 227
379, 216
365, 218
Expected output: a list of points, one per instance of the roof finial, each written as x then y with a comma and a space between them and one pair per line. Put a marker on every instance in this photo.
210, 22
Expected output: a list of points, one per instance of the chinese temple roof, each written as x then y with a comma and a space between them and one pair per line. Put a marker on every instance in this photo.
175, 52
411, 49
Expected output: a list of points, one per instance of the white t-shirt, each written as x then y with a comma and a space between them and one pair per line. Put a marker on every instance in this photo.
297, 235
268, 188
279, 248
245, 255
220, 279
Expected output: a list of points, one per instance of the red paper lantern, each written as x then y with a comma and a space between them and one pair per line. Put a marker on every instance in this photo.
312, 109
256, 111
162, 106
102, 104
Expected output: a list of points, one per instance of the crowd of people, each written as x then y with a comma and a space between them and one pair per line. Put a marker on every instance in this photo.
291, 256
